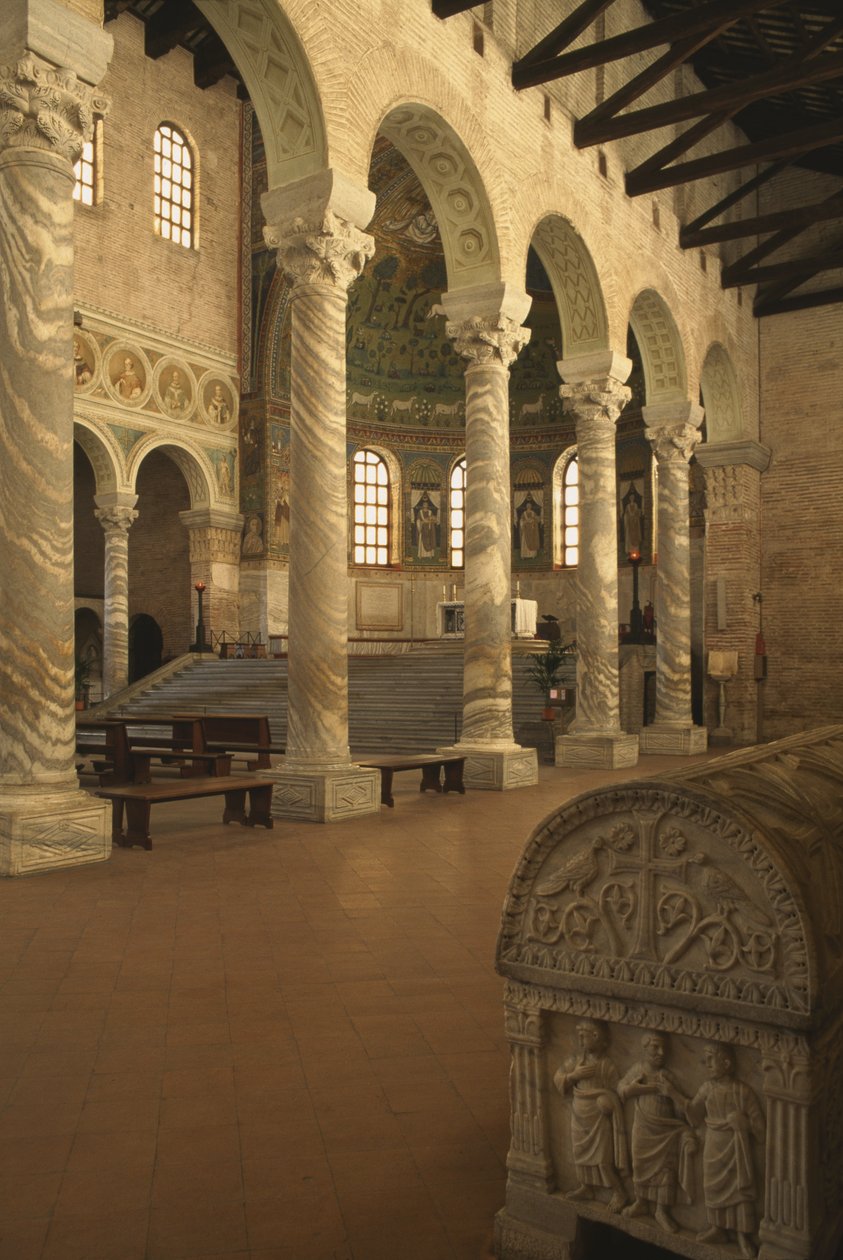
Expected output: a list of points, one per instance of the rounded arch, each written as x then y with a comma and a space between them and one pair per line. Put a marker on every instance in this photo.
576, 286
453, 185
103, 453
393, 469
721, 397
192, 462
276, 71
662, 353
565, 491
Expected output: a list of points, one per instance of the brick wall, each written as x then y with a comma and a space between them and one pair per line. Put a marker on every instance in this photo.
159, 566
88, 536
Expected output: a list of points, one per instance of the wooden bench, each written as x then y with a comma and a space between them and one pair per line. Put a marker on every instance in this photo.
137, 800
122, 757
235, 733
432, 765
185, 746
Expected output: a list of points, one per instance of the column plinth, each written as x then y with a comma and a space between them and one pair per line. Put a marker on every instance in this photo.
46, 821
321, 255
673, 731
494, 761
595, 738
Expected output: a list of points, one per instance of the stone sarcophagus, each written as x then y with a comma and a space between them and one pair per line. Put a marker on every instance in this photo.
673, 956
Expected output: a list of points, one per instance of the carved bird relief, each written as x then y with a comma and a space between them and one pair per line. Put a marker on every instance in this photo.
580, 869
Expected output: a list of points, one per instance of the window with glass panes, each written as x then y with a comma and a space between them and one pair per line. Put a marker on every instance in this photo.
84, 170
371, 509
571, 513
456, 515
173, 186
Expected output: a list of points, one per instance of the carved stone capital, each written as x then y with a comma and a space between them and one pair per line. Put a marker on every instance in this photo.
332, 252
595, 406
209, 544
497, 340
42, 107
673, 443
116, 518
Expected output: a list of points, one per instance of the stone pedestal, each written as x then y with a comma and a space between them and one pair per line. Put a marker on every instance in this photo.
215, 539
486, 328
116, 512
45, 820
673, 432
315, 225
595, 394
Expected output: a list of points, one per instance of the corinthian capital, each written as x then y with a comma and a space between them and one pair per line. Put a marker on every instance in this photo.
332, 252
595, 406
42, 107
673, 443
116, 518
498, 340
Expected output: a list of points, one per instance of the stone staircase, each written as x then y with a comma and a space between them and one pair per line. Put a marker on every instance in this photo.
410, 702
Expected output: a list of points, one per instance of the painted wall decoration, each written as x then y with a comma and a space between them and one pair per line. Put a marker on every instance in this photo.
223, 462
253, 544
528, 512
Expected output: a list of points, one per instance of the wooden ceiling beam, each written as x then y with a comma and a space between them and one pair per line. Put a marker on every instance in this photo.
791, 144
212, 62
566, 32
168, 27
760, 224
798, 302
795, 72
726, 203
797, 268
448, 8
528, 72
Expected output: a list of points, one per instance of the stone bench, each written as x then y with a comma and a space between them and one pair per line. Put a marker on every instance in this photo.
673, 958
138, 798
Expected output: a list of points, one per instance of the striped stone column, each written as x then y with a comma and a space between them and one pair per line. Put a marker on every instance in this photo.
45, 820
116, 519
490, 343
673, 432
322, 252
595, 394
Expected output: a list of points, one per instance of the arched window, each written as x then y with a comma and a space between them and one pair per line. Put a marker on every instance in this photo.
173, 186
86, 171
371, 509
571, 513
456, 515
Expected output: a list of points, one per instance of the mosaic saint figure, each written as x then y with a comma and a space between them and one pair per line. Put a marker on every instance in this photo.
426, 521
529, 530
633, 521
253, 538
732, 1116
175, 397
82, 372
598, 1133
218, 408
129, 384
661, 1142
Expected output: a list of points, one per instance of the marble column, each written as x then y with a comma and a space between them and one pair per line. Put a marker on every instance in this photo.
49, 58
116, 512
673, 431
595, 393
215, 537
490, 338
315, 225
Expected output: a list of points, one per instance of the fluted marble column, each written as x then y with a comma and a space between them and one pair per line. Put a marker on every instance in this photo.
673, 431
45, 113
490, 338
595, 394
315, 226
116, 512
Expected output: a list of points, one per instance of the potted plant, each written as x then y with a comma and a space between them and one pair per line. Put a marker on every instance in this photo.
544, 671
82, 681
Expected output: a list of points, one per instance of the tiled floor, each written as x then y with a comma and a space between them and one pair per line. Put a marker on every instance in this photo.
280, 1045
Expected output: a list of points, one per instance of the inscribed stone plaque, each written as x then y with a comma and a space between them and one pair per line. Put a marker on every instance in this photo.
379, 606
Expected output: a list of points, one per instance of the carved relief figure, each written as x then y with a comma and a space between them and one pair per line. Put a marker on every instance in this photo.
733, 1117
253, 538
218, 407
598, 1133
82, 371
661, 1142
176, 400
128, 383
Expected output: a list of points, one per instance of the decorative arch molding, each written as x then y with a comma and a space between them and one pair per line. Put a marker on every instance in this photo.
721, 396
576, 286
192, 462
104, 454
271, 58
452, 182
662, 354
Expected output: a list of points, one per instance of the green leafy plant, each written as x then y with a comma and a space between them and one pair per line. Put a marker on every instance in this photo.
544, 669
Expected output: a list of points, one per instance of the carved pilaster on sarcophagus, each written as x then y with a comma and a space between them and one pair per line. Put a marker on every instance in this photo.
791, 1195
528, 1160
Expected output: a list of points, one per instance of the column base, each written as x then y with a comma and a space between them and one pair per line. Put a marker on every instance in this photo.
676, 741
324, 795
548, 1233
597, 752
493, 769
45, 831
